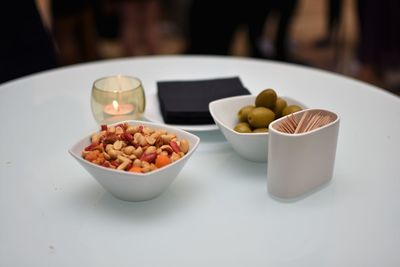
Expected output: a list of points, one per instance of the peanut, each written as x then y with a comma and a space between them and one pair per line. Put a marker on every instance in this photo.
137, 163
119, 130
151, 149
95, 139
138, 152
113, 153
150, 139
184, 146
106, 156
118, 145
123, 165
129, 150
121, 158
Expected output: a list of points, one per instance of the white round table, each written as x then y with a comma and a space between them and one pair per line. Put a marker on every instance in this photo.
218, 211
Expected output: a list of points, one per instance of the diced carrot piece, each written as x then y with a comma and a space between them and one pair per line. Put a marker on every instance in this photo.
162, 160
135, 169
92, 155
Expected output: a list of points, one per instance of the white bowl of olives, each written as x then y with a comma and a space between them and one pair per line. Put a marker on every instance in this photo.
244, 120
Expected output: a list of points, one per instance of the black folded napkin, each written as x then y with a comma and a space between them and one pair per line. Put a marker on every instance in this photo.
186, 102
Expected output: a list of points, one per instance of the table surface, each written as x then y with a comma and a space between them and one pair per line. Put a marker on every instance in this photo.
218, 211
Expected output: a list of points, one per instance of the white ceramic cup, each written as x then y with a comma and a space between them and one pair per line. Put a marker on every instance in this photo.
300, 163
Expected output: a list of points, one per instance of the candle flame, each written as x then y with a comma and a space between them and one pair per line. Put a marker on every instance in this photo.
115, 105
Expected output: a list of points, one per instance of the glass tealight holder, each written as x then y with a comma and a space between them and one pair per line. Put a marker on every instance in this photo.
117, 98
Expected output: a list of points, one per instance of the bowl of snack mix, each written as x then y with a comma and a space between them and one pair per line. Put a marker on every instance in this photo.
135, 160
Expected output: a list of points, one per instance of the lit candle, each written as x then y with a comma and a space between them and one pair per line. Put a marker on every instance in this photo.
117, 98
118, 109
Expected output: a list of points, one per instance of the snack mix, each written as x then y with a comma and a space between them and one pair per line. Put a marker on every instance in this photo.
134, 148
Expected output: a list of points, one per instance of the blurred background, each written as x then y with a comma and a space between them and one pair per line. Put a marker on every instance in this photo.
356, 38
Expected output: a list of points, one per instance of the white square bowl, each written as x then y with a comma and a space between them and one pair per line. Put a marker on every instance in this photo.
132, 186
251, 146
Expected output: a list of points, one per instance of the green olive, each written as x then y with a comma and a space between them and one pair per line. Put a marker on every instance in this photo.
280, 104
244, 111
260, 130
266, 98
242, 127
260, 117
290, 109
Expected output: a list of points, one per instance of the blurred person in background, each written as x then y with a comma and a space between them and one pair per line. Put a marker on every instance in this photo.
107, 19
27, 46
332, 24
379, 43
74, 30
140, 26
286, 11
175, 14
213, 25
